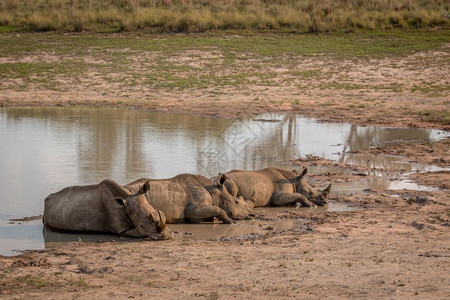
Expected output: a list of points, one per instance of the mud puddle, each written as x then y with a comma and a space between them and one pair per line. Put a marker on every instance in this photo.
261, 225
383, 172
19, 236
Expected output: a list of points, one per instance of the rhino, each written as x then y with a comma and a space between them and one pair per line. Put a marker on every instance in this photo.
189, 198
275, 187
105, 207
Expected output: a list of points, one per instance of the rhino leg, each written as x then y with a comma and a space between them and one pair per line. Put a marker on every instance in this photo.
292, 198
205, 212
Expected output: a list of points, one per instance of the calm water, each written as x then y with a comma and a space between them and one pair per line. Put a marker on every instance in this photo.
32, 236
45, 149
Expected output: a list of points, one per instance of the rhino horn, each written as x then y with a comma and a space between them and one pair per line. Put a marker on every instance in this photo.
327, 191
253, 197
162, 220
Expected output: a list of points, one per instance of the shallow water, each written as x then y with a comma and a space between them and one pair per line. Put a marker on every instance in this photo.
31, 235
45, 149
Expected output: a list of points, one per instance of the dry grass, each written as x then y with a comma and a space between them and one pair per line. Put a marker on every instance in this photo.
212, 15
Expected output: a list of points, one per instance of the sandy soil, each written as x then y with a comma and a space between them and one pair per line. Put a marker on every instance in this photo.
409, 91
396, 245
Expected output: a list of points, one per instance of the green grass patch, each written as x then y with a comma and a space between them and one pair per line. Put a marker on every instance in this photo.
9, 29
431, 89
37, 282
373, 44
356, 105
436, 116
339, 85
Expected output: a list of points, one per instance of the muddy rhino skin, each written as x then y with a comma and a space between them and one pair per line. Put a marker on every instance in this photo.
189, 198
104, 207
275, 187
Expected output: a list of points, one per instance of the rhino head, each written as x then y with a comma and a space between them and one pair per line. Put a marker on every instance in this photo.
236, 207
320, 198
148, 221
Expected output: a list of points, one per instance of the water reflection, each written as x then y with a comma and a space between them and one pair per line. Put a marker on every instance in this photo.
46, 149
20, 236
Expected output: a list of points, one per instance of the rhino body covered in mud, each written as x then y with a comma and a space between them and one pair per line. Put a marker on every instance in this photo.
275, 187
104, 207
189, 198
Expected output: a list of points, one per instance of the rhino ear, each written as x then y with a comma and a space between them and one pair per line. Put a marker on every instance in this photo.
222, 178
305, 170
327, 191
144, 188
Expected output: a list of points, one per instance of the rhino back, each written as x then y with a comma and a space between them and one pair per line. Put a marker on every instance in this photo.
192, 180
250, 181
170, 197
75, 208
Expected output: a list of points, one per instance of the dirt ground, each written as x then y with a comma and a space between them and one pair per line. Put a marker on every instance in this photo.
395, 245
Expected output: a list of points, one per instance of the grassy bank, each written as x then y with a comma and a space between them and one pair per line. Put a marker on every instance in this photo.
336, 71
208, 60
213, 15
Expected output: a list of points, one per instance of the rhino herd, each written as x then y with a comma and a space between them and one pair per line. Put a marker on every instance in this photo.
143, 208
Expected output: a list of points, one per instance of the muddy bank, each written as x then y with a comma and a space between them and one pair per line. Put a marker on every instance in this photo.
395, 247
436, 154
232, 105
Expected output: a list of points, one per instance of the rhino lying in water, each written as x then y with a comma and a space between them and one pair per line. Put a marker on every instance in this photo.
275, 187
104, 207
194, 198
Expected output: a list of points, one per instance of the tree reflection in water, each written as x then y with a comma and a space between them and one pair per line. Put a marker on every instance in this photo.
50, 148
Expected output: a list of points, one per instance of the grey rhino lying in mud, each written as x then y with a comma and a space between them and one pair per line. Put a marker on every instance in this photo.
275, 187
194, 198
104, 207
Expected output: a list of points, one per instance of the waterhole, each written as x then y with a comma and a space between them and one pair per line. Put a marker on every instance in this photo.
43, 150
19, 235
